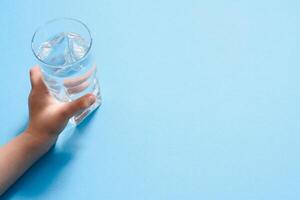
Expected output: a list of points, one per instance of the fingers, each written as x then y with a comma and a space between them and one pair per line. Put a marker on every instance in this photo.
78, 88
78, 105
33, 75
73, 82
80, 83
36, 79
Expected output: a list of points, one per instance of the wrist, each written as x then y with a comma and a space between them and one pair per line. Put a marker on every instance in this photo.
42, 141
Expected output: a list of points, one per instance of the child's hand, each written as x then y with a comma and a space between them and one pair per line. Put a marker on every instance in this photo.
48, 117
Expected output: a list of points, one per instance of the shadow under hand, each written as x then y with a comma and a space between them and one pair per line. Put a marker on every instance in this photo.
70, 142
42, 175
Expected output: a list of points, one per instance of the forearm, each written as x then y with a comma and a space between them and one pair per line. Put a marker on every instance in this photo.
18, 155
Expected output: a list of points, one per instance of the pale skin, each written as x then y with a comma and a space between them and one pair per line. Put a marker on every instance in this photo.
47, 119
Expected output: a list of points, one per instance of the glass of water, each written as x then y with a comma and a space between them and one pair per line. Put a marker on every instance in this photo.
63, 50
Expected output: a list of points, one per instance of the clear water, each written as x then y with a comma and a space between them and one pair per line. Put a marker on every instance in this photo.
68, 72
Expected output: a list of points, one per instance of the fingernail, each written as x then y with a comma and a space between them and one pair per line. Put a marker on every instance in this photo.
92, 99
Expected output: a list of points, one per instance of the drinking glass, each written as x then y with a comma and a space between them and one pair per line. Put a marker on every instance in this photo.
63, 49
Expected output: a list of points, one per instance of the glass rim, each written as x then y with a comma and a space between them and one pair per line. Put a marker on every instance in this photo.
61, 19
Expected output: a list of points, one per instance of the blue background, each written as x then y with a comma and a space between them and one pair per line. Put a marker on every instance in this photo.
201, 100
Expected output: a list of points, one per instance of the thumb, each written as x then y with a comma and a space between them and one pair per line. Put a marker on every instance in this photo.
79, 104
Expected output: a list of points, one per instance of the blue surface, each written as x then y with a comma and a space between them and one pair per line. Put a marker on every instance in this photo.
201, 101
